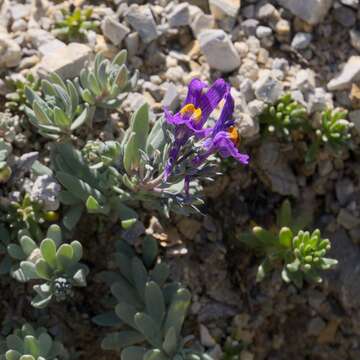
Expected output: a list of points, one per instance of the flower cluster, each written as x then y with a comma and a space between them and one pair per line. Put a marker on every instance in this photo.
190, 121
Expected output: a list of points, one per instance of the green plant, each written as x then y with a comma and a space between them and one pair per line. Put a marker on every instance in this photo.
60, 112
17, 99
96, 189
75, 24
53, 262
28, 343
5, 169
102, 85
283, 117
301, 253
150, 308
9, 126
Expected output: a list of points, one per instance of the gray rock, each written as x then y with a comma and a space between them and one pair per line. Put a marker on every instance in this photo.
266, 11
275, 171
344, 190
352, 3
38, 37
132, 42
343, 280
18, 11
315, 326
280, 64
221, 9
51, 46
46, 190
202, 22
263, 31
141, 19
355, 39
249, 26
248, 12
345, 16
219, 51
66, 61
304, 80
247, 125
114, 30
354, 117
319, 100
268, 89
256, 107
10, 51
347, 220
301, 40
311, 11
171, 98
179, 16
349, 74
246, 90
19, 25
205, 338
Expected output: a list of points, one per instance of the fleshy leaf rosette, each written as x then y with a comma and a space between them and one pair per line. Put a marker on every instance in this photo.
54, 263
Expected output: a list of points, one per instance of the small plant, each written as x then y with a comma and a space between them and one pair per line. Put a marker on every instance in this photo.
28, 343
283, 117
55, 263
302, 253
17, 100
9, 126
75, 24
5, 169
102, 85
150, 308
60, 112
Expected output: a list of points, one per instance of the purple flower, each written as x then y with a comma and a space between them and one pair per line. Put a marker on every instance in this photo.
195, 111
224, 137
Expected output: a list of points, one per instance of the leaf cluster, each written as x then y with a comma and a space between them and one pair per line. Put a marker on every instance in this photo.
150, 308
75, 24
28, 343
300, 253
54, 263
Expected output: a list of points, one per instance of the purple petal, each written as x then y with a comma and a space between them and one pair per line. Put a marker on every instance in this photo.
225, 118
227, 148
195, 89
175, 119
210, 100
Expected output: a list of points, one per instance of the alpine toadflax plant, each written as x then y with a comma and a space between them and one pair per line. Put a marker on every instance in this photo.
190, 121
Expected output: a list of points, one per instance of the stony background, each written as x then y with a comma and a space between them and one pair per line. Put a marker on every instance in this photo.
263, 48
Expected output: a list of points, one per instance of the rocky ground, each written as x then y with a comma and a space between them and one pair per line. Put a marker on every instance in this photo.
263, 48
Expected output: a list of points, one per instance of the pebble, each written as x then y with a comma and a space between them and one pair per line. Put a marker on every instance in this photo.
66, 61
349, 74
249, 26
347, 220
345, 16
179, 16
311, 11
352, 3
263, 31
355, 39
46, 190
51, 46
268, 89
304, 80
354, 117
319, 100
219, 51
247, 125
10, 51
141, 19
202, 22
344, 190
315, 326
221, 9
301, 41
205, 338
114, 30
171, 99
